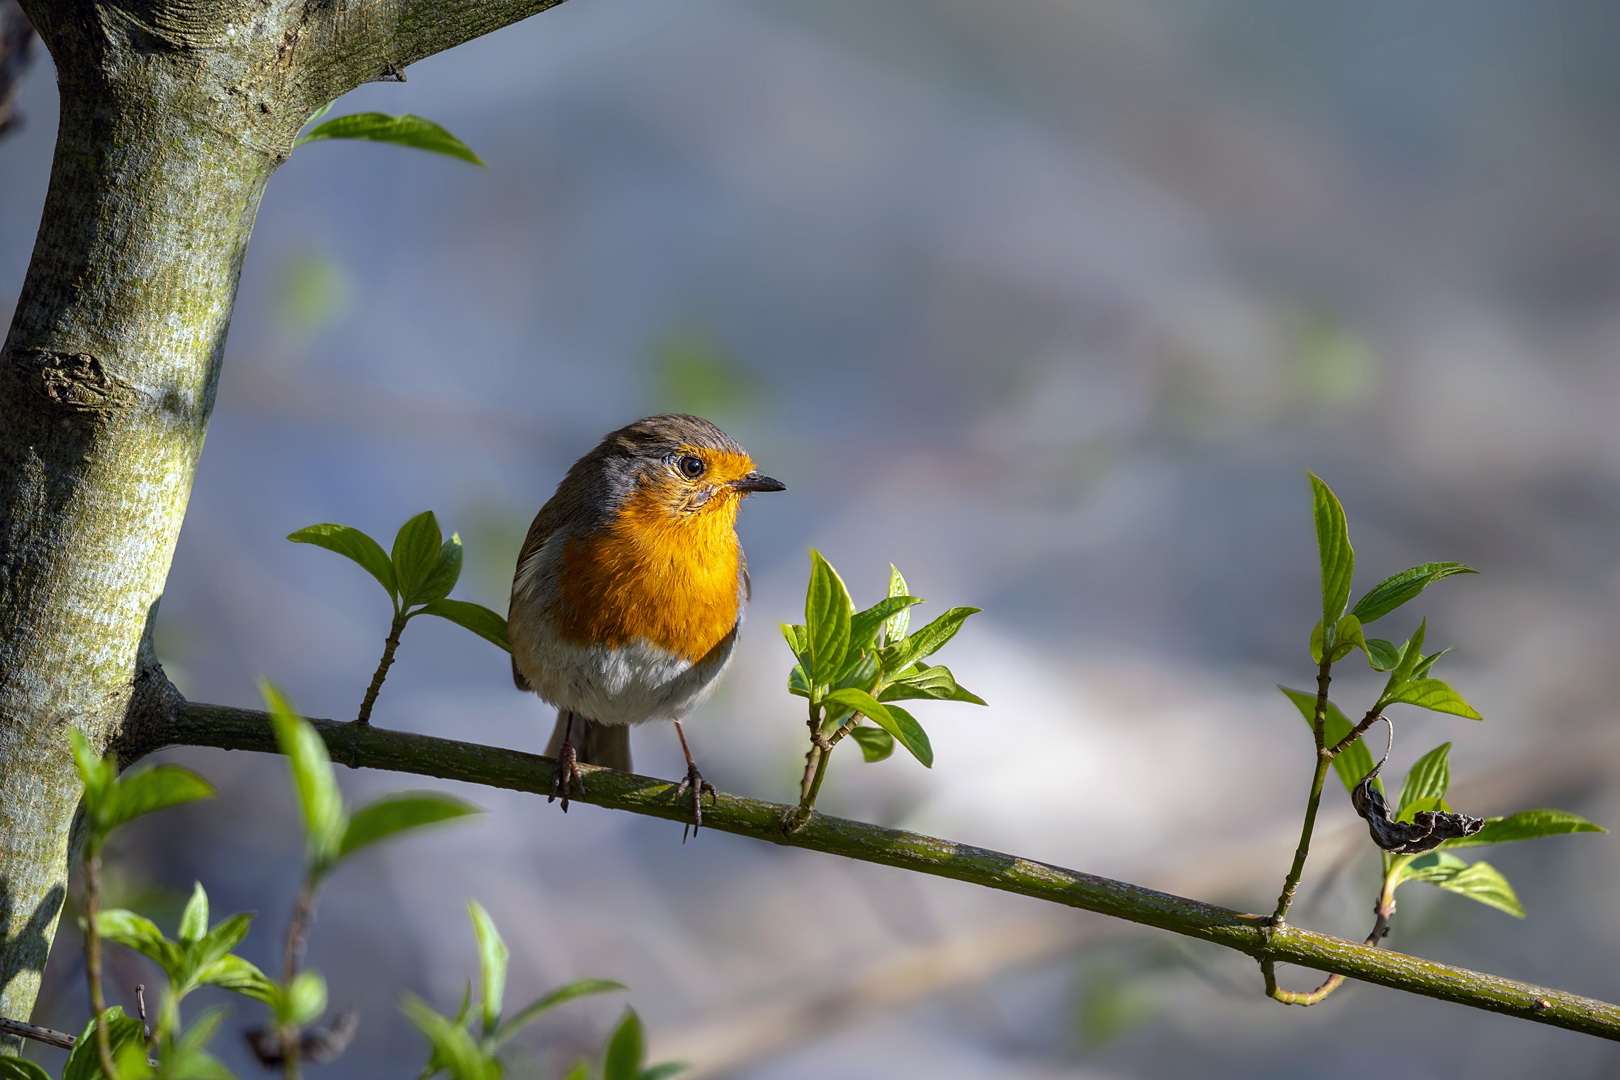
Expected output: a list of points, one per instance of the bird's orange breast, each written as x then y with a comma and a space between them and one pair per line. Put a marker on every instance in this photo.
671, 579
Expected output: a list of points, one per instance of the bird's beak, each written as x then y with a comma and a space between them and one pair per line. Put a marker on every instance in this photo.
756, 482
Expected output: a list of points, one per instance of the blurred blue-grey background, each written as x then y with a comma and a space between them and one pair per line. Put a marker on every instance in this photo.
1053, 305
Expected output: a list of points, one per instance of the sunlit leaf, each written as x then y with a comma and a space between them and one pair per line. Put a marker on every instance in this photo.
156, 788
892, 718
353, 544
926, 641
1436, 695
454, 1048
1333, 547
535, 1009
1526, 825
311, 768
487, 624
898, 623
405, 130
1396, 590
84, 1063
1428, 778
827, 616
417, 547
492, 960
393, 814
622, 1058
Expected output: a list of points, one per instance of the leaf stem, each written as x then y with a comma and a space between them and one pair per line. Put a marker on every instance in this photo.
92, 957
387, 661
297, 936
1324, 759
815, 770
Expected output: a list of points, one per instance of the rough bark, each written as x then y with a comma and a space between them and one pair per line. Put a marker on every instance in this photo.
174, 113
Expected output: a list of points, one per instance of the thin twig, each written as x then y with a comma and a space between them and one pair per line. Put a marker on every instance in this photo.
390, 646
1383, 911
297, 937
1324, 676
1374, 715
92, 959
48, 1036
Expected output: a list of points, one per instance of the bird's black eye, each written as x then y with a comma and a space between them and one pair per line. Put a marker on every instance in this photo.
691, 465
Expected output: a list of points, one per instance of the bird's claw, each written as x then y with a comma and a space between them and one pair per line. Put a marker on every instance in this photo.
568, 775
699, 787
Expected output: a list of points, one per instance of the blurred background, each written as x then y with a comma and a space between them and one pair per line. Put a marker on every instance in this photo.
1051, 304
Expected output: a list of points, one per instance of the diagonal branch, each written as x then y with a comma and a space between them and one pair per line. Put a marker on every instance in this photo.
361, 746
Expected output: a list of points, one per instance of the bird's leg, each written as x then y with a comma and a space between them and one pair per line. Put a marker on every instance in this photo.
567, 773
696, 784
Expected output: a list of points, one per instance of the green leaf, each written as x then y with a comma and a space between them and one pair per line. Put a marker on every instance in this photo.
406, 130
311, 768
622, 1058
1411, 655
1355, 761
492, 960
305, 999
935, 682
925, 642
454, 1048
1421, 671
392, 814
417, 547
444, 574
353, 544
1394, 591
211, 946
98, 774
797, 639
1381, 654
194, 920
665, 1071
1347, 637
17, 1069
898, 623
892, 718
1317, 640
188, 1059
1526, 825
798, 681
580, 1071
1333, 546
487, 624
1428, 778
83, 1062
155, 788
141, 934
1433, 694
231, 972
862, 671
827, 615
535, 1009
864, 625
875, 743
1479, 881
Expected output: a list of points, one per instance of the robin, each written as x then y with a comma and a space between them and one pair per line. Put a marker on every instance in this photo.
630, 590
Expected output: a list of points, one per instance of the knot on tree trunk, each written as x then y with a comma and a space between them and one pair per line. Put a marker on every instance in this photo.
76, 382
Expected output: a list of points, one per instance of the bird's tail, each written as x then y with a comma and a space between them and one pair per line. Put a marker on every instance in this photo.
607, 745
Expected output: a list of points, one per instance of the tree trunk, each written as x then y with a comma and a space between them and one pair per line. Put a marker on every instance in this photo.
106, 383
174, 113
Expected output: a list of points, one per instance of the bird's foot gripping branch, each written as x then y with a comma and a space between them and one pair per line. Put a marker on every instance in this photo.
1415, 842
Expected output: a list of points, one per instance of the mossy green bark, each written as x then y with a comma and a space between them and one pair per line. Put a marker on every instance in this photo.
363, 746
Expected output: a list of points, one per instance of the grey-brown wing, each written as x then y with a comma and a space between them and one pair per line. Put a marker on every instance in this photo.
540, 529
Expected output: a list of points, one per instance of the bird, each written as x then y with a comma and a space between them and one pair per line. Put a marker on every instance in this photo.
630, 590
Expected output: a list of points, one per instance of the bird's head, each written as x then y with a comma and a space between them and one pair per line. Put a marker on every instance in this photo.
683, 467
